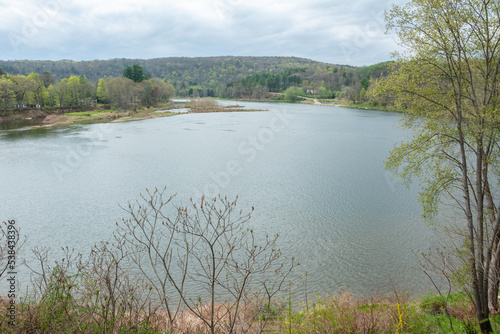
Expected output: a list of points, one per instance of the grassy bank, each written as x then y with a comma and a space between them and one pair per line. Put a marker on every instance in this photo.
368, 106
100, 113
60, 312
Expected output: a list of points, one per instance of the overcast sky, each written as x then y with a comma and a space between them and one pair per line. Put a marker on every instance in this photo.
333, 31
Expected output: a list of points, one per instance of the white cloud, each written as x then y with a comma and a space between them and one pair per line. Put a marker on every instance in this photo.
327, 30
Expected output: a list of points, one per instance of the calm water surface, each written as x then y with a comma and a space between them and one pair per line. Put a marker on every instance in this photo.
314, 174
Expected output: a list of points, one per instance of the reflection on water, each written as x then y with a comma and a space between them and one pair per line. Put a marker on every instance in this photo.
20, 123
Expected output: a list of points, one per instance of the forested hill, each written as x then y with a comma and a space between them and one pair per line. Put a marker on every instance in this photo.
174, 69
230, 77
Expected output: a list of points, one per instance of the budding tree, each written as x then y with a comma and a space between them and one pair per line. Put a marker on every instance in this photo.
204, 259
447, 79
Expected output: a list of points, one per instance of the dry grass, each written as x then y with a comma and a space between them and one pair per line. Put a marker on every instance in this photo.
208, 105
205, 105
340, 314
345, 314
72, 317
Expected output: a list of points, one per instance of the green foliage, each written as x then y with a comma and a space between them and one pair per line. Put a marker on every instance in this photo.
447, 81
76, 91
362, 94
316, 81
135, 73
48, 79
38, 95
293, 94
375, 70
236, 77
365, 83
212, 74
6, 93
102, 91
325, 93
22, 86
85, 113
451, 313
345, 314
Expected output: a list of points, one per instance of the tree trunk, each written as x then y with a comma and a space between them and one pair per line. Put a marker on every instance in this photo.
494, 283
484, 323
493, 295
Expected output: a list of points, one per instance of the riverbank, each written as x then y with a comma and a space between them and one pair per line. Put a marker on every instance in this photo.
339, 314
65, 117
323, 102
367, 106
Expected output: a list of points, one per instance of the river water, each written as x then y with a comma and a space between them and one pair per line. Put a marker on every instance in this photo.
314, 174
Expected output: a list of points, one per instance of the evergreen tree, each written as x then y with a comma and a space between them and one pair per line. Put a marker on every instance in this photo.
135, 73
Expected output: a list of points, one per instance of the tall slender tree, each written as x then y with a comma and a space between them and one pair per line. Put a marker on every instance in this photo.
6, 93
447, 77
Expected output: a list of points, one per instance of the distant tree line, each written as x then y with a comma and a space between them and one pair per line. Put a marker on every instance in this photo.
181, 72
217, 76
230, 77
257, 85
324, 82
43, 90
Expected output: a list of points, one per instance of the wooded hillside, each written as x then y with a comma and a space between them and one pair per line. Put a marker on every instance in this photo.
233, 77
199, 69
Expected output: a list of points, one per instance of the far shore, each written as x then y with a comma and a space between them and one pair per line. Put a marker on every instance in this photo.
65, 117
83, 115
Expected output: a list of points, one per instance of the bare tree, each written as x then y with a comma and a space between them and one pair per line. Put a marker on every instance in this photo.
205, 260
54, 292
113, 295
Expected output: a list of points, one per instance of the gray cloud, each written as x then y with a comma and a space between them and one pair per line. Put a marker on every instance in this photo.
326, 30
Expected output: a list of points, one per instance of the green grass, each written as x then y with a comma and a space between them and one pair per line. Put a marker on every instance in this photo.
59, 312
345, 314
371, 107
88, 113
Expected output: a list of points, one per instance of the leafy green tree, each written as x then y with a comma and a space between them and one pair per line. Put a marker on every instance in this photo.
6, 93
362, 94
86, 91
102, 91
62, 90
48, 79
73, 84
447, 79
292, 94
325, 93
135, 73
22, 86
38, 95
52, 96
365, 83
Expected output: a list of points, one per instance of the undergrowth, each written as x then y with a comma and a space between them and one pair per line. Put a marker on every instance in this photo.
58, 311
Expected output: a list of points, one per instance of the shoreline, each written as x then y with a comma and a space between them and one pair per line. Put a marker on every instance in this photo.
65, 117
98, 115
370, 107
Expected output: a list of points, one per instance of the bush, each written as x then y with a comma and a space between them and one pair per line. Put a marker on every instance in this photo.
292, 94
